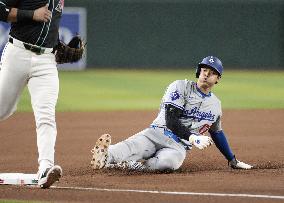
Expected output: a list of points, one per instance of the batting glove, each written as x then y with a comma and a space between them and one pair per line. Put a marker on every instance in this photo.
236, 164
201, 142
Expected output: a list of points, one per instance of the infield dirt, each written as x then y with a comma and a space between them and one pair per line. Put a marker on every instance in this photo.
255, 136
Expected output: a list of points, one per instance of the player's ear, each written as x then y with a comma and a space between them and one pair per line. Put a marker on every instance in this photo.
219, 78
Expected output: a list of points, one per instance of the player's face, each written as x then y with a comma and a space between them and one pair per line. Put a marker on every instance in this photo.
208, 77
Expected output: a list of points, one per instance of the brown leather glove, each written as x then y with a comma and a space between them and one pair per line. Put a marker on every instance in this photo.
71, 52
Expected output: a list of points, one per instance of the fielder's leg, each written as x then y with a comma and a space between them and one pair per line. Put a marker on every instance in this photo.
14, 67
44, 88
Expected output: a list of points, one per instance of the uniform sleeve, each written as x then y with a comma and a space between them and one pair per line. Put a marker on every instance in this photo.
173, 123
217, 126
175, 94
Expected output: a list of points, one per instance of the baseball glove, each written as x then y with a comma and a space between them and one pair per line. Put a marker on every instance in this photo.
71, 52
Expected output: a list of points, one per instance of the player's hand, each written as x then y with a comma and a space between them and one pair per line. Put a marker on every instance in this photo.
42, 14
236, 164
201, 142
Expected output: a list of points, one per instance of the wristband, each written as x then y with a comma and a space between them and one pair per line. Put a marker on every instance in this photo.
25, 15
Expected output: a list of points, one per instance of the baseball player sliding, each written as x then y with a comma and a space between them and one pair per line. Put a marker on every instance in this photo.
187, 112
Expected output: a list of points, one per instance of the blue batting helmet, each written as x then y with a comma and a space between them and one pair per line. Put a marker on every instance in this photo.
212, 62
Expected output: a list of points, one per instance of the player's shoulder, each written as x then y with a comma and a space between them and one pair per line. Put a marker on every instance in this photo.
184, 82
182, 85
177, 85
213, 95
215, 99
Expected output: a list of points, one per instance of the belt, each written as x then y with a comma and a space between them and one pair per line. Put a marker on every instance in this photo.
167, 133
36, 49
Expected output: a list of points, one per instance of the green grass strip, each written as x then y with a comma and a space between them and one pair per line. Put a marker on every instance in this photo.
108, 90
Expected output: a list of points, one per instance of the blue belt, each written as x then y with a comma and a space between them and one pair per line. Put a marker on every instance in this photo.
167, 133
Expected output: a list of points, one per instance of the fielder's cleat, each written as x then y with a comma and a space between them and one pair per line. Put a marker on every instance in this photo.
100, 152
49, 176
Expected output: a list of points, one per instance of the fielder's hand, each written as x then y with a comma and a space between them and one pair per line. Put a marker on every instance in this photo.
71, 52
201, 142
236, 164
42, 14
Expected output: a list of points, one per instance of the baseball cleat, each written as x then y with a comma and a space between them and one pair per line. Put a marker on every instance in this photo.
100, 152
236, 164
50, 176
129, 165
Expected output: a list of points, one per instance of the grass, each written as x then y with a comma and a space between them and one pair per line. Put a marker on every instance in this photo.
105, 90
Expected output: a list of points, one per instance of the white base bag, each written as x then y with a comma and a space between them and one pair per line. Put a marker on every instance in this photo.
18, 179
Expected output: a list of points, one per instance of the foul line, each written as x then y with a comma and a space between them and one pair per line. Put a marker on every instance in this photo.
172, 193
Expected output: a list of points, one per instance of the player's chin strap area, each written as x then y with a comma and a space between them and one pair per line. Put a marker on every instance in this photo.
173, 136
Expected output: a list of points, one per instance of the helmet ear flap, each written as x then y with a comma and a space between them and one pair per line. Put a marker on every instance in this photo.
197, 73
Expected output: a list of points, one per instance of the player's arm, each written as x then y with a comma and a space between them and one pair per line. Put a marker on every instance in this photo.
173, 115
4, 11
222, 144
8, 13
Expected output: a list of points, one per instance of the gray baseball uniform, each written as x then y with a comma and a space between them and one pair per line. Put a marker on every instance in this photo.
158, 145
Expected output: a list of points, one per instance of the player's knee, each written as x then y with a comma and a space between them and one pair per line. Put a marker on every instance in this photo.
168, 164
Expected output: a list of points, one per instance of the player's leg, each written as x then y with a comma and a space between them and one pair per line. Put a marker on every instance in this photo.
166, 159
44, 87
14, 67
134, 148
169, 155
